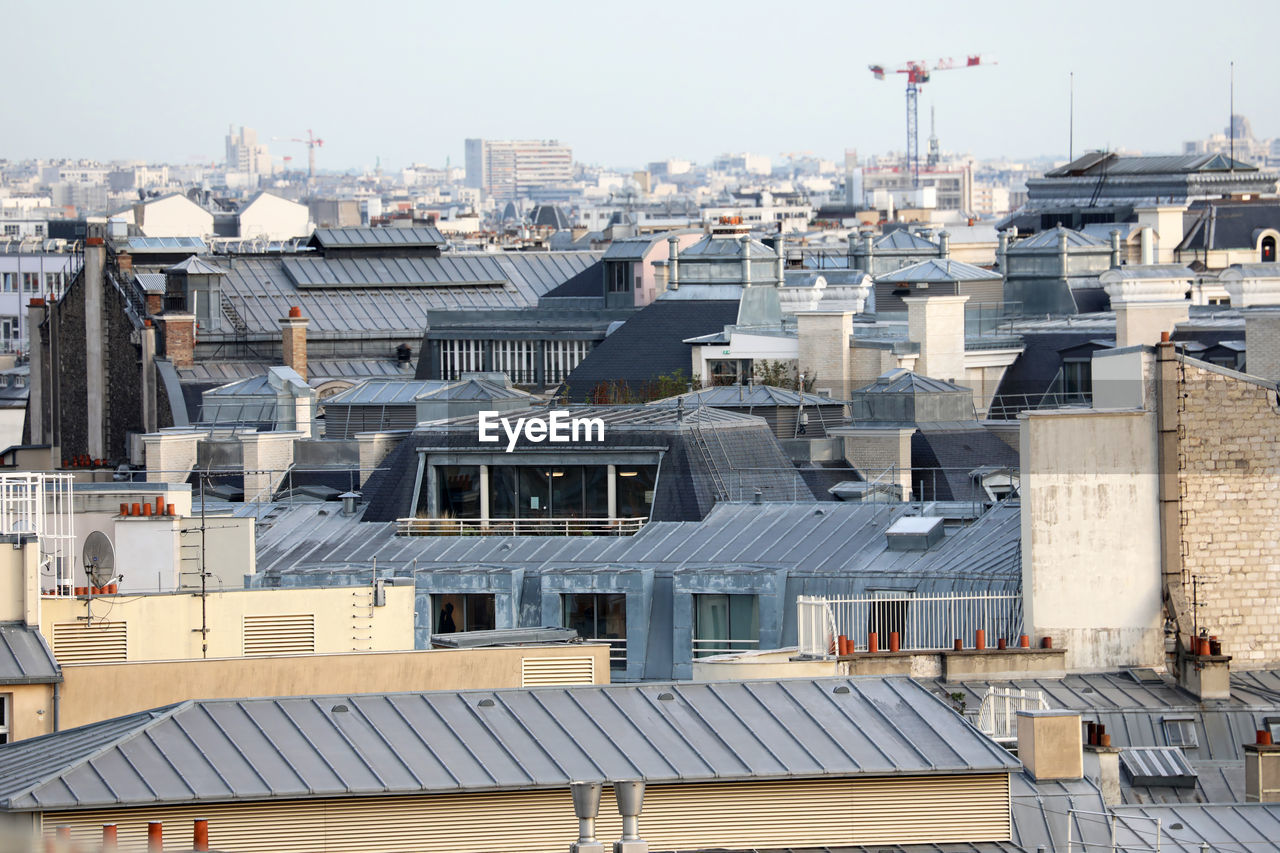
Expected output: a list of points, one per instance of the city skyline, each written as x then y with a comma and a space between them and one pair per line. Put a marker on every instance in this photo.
624, 87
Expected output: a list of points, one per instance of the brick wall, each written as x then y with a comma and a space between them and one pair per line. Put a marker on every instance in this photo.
823, 350
1230, 481
179, 338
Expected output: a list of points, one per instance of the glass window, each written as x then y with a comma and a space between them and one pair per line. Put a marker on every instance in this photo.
459, 491
31, 282
635, 490
1180, 731
10, 283
5, 702
725, 623
537, 491
1077, 380
456, 612
599, 616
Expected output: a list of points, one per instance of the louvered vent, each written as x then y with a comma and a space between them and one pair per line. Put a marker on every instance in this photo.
540, 672
280, 635
90, 642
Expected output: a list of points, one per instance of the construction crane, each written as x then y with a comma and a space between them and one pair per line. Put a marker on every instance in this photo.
312, 144
918, 73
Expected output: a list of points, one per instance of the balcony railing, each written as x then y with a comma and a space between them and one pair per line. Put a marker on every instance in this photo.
519, 526
998, 716
922, 623
703, 648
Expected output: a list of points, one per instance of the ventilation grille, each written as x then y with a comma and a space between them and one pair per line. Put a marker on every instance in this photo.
540, 672
96, 642
280, 635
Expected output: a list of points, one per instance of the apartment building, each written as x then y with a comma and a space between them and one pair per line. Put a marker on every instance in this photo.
510, 169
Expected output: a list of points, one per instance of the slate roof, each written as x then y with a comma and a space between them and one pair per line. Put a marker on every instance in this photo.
150, 282
938, 269
25, 657
385, 296
1227, 224
632, 248
493, 740
326, 238
956, 450
903, 381
164, 245
651, 344
588, 282
1098, 162
474, 390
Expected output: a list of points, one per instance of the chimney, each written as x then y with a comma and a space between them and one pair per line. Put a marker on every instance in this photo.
630, 797
1062, 251
1147, 300
1205, 672
586, 805
1262, 770
852, 251
293, 344
944, 244
936, 323
745, 242
1147, 244
179, 337
780, 265
94, 281
1001, 250
350, 500
1103, 763
1255, 290
868, 250
673, 263
1115, 248
1049, 744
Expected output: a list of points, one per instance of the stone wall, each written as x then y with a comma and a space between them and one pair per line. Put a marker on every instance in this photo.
1230, 482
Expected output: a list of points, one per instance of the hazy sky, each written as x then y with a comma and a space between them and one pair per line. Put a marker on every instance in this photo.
623, 83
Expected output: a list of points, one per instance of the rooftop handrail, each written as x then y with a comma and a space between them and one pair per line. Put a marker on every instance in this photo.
519, 526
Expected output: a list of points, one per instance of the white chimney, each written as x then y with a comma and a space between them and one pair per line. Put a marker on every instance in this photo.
1148, 300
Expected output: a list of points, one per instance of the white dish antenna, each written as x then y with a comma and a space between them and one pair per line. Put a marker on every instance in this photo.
99, 559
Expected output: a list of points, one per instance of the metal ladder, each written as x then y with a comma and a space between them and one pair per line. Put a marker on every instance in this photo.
233, 316
700, 442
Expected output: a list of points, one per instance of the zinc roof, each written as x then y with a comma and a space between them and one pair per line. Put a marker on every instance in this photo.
196, 266
739, 396
384, 392
939, 269
1184, 828
901, 238
25, 657
1049, 239
327, 238
494, 740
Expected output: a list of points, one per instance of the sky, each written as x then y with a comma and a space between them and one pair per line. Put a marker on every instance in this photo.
623, 84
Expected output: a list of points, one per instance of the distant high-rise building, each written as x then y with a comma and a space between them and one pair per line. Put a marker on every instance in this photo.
509, 169
244, 154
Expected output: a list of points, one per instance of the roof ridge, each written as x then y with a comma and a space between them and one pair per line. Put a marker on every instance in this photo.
156, 715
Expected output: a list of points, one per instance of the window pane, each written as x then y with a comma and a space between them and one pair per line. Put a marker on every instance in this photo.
635, 490
712, 617
595, 491
459, 487
613, 619
580, 614
449, 614
480, 612
534, 492
744, 617
502, 491
566, 491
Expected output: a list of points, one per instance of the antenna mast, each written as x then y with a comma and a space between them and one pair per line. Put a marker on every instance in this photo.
1231, 119
1071, 118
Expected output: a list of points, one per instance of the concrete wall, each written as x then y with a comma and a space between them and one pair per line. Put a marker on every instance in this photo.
823, 350
937, 324
94, 692
167, 626
1091, 536
267, 457
1230, 482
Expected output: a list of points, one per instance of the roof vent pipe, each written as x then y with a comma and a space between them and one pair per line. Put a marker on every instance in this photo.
745, 241
349, 501
630, 797
944, 245
780, 265
673, 263
1115, 248
586, 805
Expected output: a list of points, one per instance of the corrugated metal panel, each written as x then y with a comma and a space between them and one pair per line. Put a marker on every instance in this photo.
1158, 765
291, 634
544, 672
85, 642
799, 813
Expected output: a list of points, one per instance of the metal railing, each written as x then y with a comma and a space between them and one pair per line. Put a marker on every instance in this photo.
703, 648
922, 622
40, 505
1004, 407
998, 714
519, 526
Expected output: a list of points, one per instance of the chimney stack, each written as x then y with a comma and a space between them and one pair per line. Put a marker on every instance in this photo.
1001, 250
944, 245
1049, 744
1115, 248
1262, 770
1148, 300
780, 246
293, 330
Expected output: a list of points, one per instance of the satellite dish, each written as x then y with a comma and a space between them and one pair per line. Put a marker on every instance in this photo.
99, 559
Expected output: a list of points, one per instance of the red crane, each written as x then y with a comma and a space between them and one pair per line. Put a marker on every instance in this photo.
918, 74
312, 144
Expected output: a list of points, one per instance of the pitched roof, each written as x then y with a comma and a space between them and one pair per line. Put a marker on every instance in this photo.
939, 269
25, 657
494, 740
474, 390
1098, 162
1049, 239
381, 391
195, 265
746, 396
903, 381
901, 238
714, 247
1228, 224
